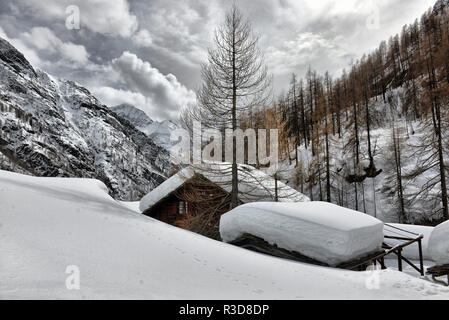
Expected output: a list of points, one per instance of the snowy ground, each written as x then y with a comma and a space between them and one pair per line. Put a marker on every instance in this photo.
47, 224
133, 205
392, 262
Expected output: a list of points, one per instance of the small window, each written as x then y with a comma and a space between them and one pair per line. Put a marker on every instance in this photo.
181, 208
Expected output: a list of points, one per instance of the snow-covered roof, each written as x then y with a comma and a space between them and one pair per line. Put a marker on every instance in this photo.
254, 185
318, 230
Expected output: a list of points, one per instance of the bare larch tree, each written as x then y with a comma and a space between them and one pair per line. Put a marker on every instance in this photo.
235, 80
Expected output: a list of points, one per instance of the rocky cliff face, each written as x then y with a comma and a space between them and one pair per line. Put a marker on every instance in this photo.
52, 127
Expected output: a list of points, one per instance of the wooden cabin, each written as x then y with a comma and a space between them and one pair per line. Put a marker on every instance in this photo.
196, 197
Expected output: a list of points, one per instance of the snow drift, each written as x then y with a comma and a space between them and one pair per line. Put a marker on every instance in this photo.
47, 224
439, 244
318, 230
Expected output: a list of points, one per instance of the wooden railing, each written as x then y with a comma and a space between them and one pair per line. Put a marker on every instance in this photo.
396, 250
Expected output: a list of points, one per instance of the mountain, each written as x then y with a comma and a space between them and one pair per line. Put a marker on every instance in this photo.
56, 128
134, 115
159, 132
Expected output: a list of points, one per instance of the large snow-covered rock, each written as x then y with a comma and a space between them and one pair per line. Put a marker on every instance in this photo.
318, 230
439, 244
122, 254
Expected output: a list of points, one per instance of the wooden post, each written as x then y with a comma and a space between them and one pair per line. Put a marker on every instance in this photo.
400, 259
421, 257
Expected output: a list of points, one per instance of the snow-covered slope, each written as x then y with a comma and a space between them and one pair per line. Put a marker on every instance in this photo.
53, 127
159, 132
378, 196
122, 254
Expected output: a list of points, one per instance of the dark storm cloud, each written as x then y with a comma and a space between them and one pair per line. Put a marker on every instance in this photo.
149, 53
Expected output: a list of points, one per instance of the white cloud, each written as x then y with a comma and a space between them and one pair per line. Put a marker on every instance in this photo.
102, 16
45, 40
141, 76
112, 97
181, 30
305, 48
143, 38
161, 96
175, 35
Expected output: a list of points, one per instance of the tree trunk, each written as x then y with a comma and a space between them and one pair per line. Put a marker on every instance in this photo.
235, 182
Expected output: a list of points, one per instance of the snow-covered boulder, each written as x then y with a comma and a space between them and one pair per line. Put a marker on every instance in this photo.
439, 244
318, 230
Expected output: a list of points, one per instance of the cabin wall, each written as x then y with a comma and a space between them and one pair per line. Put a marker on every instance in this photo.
196, 200
169, 211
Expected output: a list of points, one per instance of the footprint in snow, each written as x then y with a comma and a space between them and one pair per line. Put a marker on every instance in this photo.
258, 291
431, 292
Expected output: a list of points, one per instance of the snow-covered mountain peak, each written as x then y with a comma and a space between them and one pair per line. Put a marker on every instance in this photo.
159, 132
14, 59
134, 115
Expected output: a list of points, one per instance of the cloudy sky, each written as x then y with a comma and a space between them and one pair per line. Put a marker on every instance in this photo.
148, 52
